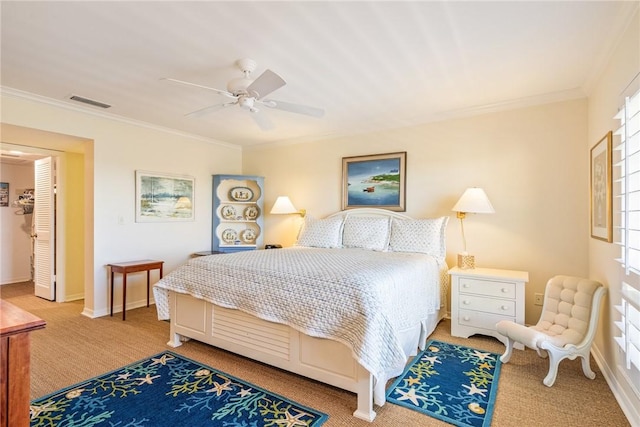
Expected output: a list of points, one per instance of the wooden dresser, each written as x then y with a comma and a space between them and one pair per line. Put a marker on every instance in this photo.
15, 326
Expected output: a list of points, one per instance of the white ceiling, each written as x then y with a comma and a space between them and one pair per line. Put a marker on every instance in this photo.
370, 65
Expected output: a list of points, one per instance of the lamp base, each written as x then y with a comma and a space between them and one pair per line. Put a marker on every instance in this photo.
466, 262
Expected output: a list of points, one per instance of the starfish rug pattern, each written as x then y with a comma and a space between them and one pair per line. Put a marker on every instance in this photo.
169, 390
453, 383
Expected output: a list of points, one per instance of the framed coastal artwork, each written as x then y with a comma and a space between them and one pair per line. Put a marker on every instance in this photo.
164, 197
4, 194
374, 181
601, 206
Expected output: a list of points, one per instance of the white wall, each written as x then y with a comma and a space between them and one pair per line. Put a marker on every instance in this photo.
530, 162
15, 240
604, 101
113, 151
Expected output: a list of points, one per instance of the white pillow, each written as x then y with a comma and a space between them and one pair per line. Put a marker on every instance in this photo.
419, 235
321, 233
366, 233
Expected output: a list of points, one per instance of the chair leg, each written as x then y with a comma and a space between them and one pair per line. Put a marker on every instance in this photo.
586, 367
556, 356
507, 351
553, 370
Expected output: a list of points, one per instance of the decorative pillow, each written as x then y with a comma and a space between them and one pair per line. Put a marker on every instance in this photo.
419, 235
321, 233
366, 233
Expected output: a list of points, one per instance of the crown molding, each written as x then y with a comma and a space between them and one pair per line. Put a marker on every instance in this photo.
28, 96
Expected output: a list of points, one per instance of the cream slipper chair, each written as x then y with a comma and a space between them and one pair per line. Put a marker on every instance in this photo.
566, 327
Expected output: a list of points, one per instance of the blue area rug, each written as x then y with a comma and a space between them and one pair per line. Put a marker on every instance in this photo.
450, 382
169, 390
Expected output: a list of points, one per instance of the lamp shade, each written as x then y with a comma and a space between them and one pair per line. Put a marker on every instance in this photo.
283, 205
474, 200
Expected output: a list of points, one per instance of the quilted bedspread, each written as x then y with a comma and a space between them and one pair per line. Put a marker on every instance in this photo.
362, 298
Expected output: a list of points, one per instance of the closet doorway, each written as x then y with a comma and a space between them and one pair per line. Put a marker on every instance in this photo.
32, 197
70, 265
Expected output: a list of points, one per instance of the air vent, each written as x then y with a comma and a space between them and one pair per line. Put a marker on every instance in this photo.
89, 101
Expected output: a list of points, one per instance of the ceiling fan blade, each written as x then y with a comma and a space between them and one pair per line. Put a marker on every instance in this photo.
218, 91
262, 120
209, 109
265, 84
294, 108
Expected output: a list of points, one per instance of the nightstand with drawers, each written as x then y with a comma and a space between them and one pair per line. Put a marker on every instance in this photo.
481, 297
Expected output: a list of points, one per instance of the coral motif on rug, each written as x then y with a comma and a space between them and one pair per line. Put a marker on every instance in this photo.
169, 390
453, 383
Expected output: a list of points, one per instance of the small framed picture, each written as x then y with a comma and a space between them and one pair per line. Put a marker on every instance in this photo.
4, 194
374, 181
600, 189
164, 197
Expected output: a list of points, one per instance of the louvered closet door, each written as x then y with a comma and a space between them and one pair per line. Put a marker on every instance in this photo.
44, 229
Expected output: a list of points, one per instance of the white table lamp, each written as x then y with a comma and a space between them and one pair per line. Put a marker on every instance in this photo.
283, 206
473, 200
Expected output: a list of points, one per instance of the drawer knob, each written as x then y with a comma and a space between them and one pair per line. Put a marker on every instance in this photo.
465, 285
504, 307
466, 318
505, 290
466, 302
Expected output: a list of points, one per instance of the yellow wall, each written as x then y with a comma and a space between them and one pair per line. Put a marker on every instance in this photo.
74, 226
531, 162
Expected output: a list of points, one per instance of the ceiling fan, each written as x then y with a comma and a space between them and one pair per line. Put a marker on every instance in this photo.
249, 94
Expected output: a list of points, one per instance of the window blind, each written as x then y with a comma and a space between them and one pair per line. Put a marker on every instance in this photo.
629, 183
628, 226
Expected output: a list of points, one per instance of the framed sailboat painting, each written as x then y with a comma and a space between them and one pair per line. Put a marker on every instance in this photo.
374, 181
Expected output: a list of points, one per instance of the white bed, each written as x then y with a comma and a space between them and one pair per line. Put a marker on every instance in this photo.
348, 305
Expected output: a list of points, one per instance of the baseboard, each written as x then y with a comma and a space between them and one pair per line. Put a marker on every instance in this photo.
76, 297
628, 404
15, 280
117, 309
90, 313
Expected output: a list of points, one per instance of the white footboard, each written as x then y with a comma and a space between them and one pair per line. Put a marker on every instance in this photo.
278, 345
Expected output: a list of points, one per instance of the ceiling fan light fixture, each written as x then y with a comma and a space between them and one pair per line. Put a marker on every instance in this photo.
247, 103
239, 85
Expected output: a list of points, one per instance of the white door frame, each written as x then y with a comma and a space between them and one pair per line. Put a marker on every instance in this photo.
60, 227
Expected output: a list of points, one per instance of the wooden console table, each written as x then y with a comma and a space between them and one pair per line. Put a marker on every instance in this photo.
15, 370
132, 267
